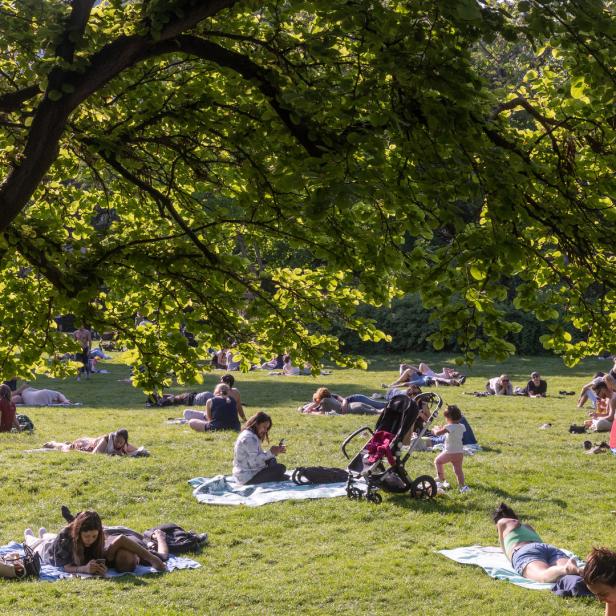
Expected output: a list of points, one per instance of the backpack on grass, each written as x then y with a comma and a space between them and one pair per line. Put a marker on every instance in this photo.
25, 423
305, 475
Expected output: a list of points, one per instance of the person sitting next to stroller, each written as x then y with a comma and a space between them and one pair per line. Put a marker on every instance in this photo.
536, 387
252, 465
602, 421
220, 412
529, 556
499, 386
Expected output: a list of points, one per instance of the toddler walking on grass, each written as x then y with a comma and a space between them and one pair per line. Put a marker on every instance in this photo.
453, 451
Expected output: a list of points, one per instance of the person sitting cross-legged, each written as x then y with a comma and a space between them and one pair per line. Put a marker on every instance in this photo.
220, 412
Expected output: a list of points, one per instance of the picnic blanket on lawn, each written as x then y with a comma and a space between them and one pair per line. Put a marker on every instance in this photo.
493, 561
221, 490
50, 573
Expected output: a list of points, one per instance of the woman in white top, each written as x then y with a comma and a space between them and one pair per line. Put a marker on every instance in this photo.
39, 397
500, 386
251, 464
454, 450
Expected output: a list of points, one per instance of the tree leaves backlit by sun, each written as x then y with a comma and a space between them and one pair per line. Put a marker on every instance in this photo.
252, 172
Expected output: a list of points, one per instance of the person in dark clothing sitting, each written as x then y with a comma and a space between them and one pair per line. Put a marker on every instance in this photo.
220, 412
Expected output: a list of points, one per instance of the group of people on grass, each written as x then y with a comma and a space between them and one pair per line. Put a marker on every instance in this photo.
85, 546
502, 386
601, 392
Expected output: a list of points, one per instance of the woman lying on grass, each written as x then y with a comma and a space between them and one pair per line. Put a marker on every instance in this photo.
323, 401
80, 548
529, 556
113, 444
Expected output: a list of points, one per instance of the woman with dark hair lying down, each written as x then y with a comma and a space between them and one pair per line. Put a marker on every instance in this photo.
113, 444
529, 556
80, 547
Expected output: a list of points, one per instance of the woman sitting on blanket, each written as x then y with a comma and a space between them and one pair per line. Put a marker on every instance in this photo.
529, 556
80, 547
252, 465
113, 444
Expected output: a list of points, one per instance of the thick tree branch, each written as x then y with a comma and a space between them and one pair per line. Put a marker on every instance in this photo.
165, 202
52, 114
266, 81
76, 24
13, 101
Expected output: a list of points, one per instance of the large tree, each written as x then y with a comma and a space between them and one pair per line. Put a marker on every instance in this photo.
253, 173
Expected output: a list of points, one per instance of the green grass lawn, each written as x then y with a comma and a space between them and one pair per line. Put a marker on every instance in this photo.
325, 556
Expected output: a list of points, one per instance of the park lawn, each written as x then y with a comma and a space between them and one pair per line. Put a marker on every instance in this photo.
311, 557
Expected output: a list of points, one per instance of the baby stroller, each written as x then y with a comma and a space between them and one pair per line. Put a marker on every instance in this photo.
381, 460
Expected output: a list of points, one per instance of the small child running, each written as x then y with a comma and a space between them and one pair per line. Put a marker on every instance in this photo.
454, 450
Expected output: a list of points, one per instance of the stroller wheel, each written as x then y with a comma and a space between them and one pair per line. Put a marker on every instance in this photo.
375, 498
354, 493
423, 488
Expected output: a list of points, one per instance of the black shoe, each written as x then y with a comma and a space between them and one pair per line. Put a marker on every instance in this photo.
66, 514
577, 429
587, 445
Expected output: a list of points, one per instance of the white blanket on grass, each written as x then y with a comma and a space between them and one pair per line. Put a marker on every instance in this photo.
221, 490
493, 561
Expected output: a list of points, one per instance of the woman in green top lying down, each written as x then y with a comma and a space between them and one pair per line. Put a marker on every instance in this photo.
529, 556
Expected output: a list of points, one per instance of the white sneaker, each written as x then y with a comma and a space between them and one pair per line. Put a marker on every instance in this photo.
464, 489
442, 485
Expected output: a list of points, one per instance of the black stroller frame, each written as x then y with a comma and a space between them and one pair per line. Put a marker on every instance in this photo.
398, 417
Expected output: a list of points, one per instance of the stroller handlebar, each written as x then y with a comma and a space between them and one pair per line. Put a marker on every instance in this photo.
351, 436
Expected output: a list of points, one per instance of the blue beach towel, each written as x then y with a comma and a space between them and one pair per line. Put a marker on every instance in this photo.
221, 490
494, 562
52, 574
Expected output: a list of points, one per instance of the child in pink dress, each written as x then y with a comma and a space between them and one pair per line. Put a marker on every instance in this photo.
454, 450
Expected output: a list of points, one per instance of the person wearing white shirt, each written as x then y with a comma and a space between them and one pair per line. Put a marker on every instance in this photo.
252, 465
454, 449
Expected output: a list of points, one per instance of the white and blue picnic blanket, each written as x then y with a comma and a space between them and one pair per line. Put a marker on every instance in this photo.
50, 573
494, 562
221, 490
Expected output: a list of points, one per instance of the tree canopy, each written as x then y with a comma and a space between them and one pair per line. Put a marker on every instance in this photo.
253, 172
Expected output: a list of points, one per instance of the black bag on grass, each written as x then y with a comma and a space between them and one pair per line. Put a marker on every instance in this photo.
318, 474
25, 423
